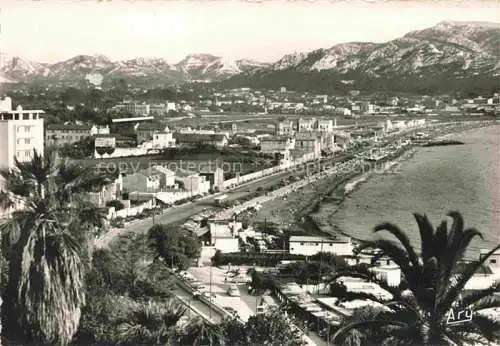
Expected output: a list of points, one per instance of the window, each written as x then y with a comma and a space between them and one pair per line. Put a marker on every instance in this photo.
316, 244
493, 261
27, 153
301, 243
26, 116
331, 244
18, 141
27, 141
27, 128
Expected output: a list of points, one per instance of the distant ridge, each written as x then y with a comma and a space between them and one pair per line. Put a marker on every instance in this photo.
450, 56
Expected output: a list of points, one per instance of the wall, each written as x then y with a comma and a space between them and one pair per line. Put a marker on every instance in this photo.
172, 196
227, 245
135, 182
133, 210
341, 249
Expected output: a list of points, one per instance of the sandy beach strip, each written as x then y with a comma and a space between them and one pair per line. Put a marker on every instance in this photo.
313, 207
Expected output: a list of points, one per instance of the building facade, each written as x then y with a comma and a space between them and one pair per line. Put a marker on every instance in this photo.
306, 124
309, 245
284, 128
193, 183
21, 133
141, 182
325, 125
162, 140
60, 134
308, 144
146, 131
135, 108
218, 140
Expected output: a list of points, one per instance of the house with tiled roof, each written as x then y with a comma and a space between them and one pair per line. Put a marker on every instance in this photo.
60, 134
145, 131
218, 140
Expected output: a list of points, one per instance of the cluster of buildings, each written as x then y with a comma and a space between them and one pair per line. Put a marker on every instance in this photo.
285, 101
306, 136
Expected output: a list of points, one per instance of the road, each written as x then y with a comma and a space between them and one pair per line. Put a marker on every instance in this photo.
197, 306
179, 214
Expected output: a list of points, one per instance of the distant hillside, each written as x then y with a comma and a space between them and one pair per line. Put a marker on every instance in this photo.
451, 56
147, 72
447, 57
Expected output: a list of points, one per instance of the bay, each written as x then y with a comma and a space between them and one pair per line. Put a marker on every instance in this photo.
434, 181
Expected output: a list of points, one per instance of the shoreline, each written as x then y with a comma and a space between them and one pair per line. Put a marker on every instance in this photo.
322, 220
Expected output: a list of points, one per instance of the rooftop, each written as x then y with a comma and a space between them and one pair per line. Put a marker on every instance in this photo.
198, 137
313, 239
56, 127
135, 119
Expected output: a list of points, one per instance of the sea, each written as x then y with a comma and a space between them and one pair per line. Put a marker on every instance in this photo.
434, 181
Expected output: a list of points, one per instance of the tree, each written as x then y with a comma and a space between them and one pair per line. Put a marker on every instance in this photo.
82, 149
118, 205
273, 328
150, 324
49, 231
176, 248
129, 270
436, 280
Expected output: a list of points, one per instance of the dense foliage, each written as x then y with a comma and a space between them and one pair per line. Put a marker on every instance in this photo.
46, 247
82, 149
177, 249
253, 258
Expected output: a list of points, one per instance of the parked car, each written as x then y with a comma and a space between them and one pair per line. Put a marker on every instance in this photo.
230, 310
233, 291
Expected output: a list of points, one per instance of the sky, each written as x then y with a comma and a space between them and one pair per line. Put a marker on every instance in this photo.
51, 31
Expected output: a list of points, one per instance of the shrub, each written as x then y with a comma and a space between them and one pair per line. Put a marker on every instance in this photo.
118, 205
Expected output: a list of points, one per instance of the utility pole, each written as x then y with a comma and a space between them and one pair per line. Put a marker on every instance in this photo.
320, 263
210, 291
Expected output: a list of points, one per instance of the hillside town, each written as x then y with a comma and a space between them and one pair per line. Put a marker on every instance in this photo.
219, 195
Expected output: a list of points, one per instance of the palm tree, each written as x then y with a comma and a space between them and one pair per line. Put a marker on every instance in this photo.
48, 230
151, 323
436, 279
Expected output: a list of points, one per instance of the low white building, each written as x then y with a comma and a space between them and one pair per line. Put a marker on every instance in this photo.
357, 285
391, 274
163, 140
192, 182
311, 245
224, 235
167, 177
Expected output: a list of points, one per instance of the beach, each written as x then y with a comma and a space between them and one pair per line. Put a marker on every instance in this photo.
312, 209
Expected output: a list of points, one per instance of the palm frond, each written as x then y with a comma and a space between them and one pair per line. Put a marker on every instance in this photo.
403, 239
459, 280
477, 296
426, 230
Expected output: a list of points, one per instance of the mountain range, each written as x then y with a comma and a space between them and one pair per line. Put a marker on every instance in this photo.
447, 56
80, 68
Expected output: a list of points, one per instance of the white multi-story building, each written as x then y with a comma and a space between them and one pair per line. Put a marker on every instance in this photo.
325, 125
163, 140
310, 245
284, 128
306, 124
135, 108
21, 132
